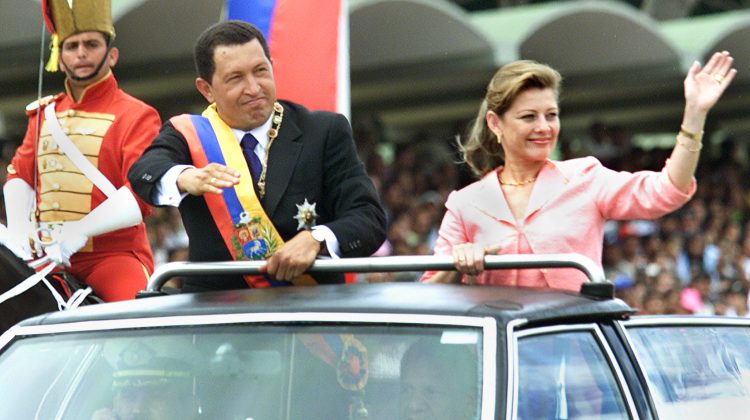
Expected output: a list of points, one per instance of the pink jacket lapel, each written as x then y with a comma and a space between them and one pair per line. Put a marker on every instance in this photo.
550, 183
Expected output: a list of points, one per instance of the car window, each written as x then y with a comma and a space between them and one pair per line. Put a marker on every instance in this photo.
565, 375
241, 372
695, 371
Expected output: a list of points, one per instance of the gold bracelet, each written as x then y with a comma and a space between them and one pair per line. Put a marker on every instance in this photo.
694, 136
687, 146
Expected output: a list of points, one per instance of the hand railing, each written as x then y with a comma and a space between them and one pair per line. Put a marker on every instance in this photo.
381, 264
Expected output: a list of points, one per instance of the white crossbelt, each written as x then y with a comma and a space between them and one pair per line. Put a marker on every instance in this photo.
66, 145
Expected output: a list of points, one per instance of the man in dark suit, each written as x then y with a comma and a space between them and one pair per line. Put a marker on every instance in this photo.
258, 178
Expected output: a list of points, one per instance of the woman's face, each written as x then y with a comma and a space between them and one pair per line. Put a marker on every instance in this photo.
528, 130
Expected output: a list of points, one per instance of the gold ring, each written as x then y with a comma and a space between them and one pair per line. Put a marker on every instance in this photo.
719, 78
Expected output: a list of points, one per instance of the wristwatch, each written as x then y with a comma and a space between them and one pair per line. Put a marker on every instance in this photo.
318, 235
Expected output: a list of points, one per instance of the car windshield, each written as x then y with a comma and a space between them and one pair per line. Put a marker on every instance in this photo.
696, 371
247, 372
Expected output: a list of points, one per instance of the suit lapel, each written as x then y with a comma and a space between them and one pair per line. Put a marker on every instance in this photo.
550, 183
491, 201
282, 159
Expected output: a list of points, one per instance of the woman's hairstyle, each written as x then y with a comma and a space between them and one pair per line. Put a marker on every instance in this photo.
480, 150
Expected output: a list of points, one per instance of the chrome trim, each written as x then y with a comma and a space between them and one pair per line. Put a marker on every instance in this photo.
245, 318
512, 374
8, 336
489, 369
625, 389
381, 264
609, 354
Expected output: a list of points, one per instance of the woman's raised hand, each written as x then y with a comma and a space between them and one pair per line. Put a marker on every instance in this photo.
704, 86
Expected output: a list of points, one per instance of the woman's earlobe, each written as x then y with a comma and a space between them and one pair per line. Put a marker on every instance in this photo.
492, 120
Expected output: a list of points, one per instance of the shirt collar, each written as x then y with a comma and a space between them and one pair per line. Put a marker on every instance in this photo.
260, 133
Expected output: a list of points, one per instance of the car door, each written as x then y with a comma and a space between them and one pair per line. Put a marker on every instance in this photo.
566, 372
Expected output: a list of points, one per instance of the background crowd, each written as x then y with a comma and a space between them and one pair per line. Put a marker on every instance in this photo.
696, 260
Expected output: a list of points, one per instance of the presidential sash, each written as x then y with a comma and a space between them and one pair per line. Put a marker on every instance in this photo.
247, 230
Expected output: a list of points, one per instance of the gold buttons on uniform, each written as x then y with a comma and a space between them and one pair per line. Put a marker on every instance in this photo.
56, 187
56, 205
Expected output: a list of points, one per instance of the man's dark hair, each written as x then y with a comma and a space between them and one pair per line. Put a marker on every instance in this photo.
228, 32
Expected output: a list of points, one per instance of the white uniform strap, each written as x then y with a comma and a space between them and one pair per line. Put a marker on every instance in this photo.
84, 165
27, 284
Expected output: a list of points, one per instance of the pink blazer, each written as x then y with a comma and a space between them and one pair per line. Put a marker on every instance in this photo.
569, 204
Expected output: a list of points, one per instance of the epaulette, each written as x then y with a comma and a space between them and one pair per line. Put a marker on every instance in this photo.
33, 107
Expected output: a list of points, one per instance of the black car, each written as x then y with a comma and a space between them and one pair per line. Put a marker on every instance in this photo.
375, 351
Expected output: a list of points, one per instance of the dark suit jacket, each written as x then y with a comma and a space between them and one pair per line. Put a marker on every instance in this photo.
312, 158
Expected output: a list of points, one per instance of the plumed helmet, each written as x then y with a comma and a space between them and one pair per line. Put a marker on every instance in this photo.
64, 18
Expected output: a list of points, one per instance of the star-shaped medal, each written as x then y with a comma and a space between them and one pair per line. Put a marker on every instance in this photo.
306, 215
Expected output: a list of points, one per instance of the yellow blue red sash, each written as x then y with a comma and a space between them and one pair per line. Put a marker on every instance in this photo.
245, 227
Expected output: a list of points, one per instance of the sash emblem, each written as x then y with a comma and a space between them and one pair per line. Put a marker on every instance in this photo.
252, 239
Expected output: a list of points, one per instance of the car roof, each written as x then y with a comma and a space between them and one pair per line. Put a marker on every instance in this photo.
502, 303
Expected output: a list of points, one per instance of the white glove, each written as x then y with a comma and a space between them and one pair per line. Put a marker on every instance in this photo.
116, 212
19, 201
67, 240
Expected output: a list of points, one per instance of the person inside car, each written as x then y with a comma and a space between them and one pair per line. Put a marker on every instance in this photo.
149, 387
438, 381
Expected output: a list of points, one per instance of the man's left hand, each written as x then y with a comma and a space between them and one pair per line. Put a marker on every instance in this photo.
294, 257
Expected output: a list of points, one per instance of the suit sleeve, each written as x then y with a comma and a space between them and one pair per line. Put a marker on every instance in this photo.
452, 232
167, 150
359, 218
638, 195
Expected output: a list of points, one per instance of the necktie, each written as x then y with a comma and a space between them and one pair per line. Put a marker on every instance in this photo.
248, 144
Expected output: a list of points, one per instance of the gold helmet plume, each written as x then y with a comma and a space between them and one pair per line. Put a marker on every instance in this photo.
64, 18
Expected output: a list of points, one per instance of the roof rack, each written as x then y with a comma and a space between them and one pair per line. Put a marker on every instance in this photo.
388, 264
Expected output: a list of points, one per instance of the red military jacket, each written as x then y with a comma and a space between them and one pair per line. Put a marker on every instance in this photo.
111, 128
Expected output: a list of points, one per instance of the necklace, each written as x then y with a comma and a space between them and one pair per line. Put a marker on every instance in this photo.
514, 184
273, 132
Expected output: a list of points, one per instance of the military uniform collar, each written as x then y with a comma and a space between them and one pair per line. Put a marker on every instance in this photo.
94, 91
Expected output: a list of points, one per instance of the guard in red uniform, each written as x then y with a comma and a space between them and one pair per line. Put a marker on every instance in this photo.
67, 182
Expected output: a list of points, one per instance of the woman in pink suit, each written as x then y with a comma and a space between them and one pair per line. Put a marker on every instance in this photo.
525, 203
